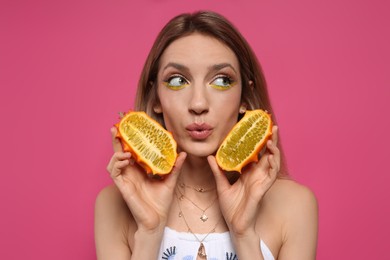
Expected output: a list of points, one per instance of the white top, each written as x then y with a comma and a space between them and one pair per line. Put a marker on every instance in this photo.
184, 246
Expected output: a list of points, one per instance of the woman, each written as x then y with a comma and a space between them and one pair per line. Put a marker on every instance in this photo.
198, 79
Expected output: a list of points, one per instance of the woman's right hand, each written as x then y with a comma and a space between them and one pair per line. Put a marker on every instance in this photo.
149, 200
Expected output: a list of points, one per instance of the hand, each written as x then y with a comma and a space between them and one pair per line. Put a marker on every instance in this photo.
149, 200
239, 202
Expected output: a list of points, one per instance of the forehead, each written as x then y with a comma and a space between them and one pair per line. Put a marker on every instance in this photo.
198, 49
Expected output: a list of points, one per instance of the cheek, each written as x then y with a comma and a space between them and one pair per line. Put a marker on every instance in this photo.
169, 122
229, 103
228, 109
168, 98
172, 102
171, 112
171, 107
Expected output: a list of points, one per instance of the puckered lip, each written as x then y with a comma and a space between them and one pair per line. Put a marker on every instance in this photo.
198, 127
199, 131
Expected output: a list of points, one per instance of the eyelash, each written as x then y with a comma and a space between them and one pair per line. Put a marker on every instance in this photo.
170, 78
167, 82
230, 80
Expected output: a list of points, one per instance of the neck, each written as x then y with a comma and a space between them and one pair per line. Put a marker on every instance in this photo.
196, 172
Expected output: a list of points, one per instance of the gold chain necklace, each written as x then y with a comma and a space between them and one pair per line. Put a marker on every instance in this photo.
201, 251
203, 217
198, 189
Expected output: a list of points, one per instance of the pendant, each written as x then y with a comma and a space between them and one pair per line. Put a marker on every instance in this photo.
204, 217
202, 251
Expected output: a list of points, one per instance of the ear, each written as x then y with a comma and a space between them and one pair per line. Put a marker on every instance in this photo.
156, 104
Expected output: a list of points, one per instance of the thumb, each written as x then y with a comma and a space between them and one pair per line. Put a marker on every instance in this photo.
177, 169
220, 178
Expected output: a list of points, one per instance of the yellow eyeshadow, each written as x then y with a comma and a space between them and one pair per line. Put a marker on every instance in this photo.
223, 87
174, 87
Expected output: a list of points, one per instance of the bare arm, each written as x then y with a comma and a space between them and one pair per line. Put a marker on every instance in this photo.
301, 227
111, 225
116, 234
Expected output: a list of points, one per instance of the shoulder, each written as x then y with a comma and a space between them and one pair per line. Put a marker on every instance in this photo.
109, 193
111, 212
110, 204
109, 200
292, 194
292, 201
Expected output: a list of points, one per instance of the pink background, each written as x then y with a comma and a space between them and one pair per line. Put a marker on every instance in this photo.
68, 67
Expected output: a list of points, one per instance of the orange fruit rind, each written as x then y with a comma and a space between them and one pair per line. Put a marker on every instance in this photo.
245, 141
150, 144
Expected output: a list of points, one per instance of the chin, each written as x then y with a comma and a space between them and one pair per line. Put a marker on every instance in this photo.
200, 149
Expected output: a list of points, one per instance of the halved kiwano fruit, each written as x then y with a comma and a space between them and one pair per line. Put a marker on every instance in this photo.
243, 143
150, 144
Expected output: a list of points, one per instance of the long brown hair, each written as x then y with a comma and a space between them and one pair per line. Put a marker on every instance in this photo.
254, 87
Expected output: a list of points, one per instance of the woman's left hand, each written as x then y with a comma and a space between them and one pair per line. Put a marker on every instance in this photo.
239, 202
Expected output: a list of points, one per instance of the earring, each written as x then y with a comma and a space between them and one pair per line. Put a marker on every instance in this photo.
157, 110
242, 109
251, 85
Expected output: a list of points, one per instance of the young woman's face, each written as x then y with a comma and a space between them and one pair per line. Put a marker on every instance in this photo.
199, 88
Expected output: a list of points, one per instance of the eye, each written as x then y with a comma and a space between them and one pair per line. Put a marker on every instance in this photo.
176, 82
222, 82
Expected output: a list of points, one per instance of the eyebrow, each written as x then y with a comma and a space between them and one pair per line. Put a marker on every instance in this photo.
215, 67
220, 66
176, 66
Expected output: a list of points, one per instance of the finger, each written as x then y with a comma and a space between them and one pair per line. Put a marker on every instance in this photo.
274, 167
263, 182
220, 178
274, 150
272, 162
179, 163
119, 156
275, 134
116, 143
117, 168
272, 155
263, 163
132, 161
177, 169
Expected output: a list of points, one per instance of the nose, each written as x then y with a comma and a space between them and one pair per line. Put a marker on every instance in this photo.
199, 102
